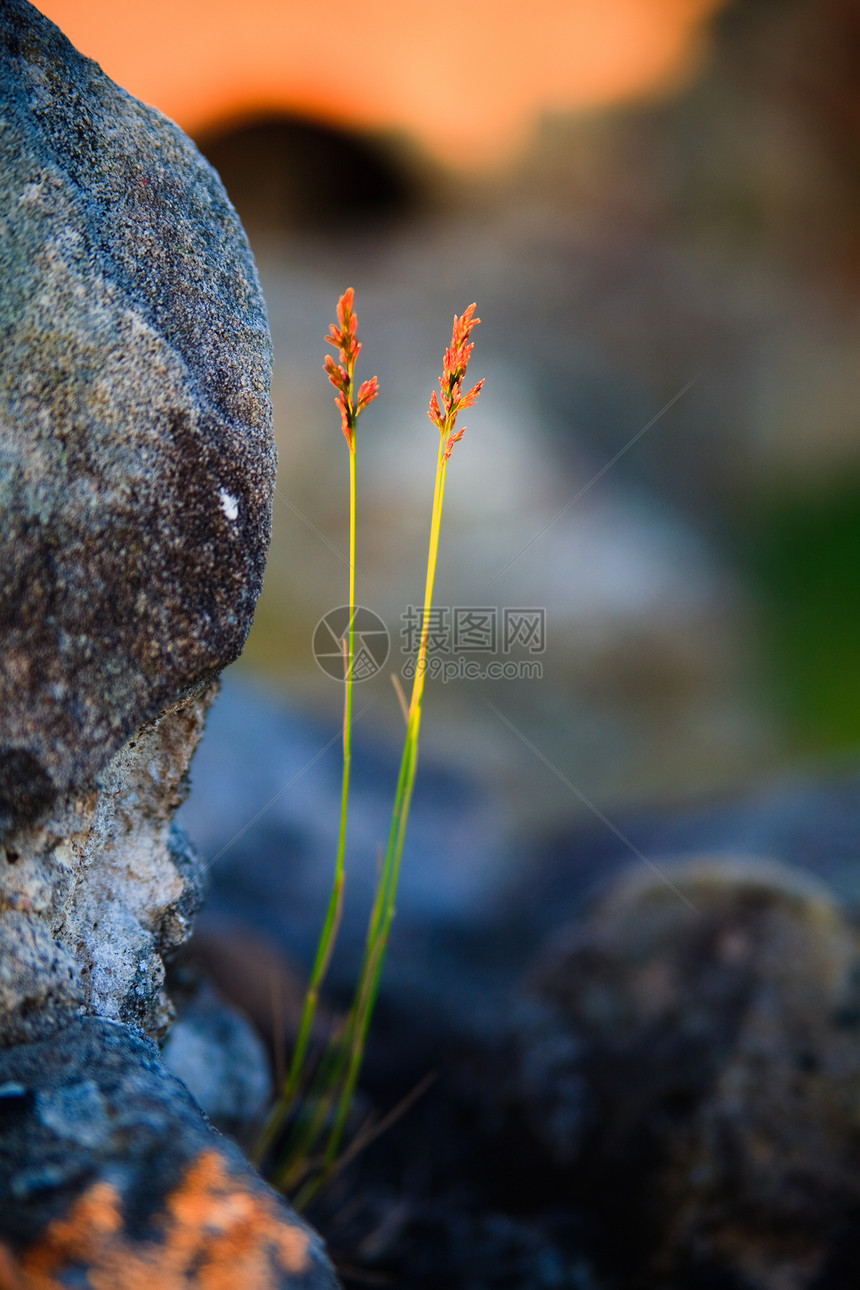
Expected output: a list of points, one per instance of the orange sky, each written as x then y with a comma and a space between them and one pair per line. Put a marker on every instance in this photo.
467, 80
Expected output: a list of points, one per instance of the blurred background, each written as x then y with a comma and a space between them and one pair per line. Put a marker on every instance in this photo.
655, 205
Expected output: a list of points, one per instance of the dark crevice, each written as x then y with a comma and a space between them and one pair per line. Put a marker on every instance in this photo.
285, 174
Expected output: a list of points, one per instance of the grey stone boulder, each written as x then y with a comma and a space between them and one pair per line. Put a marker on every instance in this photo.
110, 1176
136, 457
136, 478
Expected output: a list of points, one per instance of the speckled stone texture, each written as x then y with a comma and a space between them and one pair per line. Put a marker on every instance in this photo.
93, 897
110, 1176
136, 476
136, 459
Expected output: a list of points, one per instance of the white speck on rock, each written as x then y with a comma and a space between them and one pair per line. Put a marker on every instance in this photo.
30, 195
229, 504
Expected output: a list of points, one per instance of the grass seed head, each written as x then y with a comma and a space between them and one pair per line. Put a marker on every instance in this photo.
342, 336
451, 401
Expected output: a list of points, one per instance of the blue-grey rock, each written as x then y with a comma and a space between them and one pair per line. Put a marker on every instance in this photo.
111, 1176
223, 1063
136, 476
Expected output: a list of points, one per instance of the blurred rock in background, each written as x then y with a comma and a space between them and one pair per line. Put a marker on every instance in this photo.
683, 264
670, 244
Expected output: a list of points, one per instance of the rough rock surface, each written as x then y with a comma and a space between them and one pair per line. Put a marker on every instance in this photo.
94, 896
692, 1050
111, 1177
136, 459
136, 473
222, 1061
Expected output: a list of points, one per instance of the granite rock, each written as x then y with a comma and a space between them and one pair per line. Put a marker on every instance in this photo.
94, 896
111, 1176
136, 475
136, 458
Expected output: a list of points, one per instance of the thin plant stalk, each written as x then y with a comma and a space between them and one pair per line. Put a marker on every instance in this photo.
384, 905
452, 401
335, 904
341, 376
334, 1084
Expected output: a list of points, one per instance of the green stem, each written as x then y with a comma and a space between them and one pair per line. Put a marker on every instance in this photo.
384, 905
331, 924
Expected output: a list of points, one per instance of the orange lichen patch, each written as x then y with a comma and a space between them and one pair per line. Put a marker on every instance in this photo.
501, 66
10, 1273
229, 1227
214, 1235
93, 1221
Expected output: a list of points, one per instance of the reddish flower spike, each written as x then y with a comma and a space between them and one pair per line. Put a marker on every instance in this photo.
343, 338
444, 409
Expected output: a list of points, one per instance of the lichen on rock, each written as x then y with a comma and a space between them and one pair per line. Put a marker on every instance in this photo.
113, 1178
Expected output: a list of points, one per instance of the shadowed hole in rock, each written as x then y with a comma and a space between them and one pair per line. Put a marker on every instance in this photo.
285, 174
25, 789
16, 1101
